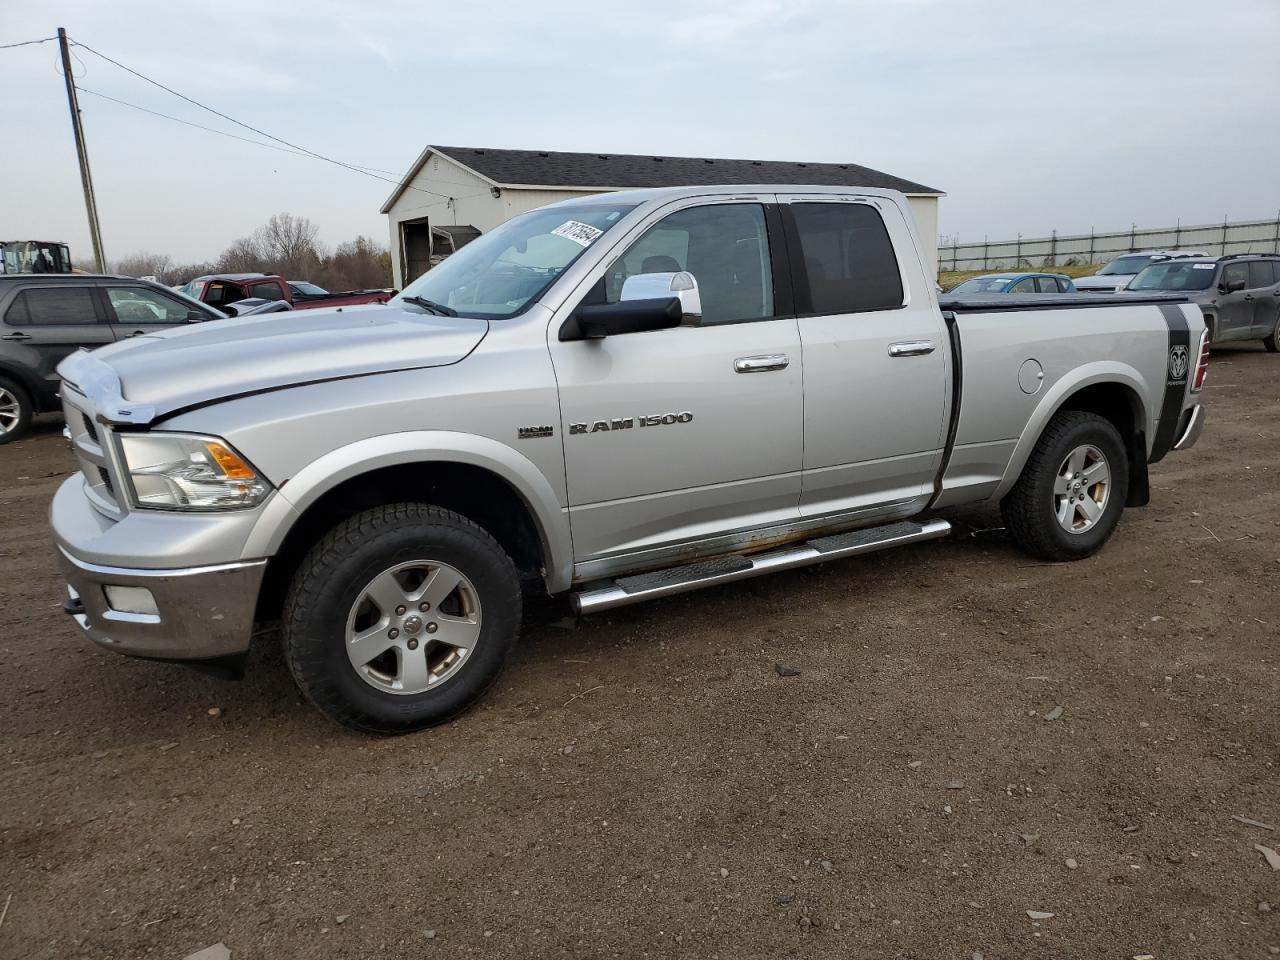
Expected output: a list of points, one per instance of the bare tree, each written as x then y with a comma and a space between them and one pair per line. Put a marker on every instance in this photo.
289, 245
359, 264
145, 264
242, 256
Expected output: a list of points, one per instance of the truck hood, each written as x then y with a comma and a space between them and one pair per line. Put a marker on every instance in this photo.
205, 362
1111, 281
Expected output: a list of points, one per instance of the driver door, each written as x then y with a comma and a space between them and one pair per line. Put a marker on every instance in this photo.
676, 437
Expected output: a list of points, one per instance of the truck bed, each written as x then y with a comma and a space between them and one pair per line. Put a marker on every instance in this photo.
1051, 301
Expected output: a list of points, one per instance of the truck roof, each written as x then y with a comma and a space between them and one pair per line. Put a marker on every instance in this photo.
234, 276
678, 193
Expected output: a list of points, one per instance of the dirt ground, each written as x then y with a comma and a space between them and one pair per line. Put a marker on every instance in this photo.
646, 784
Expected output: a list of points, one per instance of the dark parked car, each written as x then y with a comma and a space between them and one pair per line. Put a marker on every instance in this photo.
1239, 294
45, 316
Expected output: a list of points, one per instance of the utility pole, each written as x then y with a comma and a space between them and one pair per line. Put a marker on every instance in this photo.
90, 201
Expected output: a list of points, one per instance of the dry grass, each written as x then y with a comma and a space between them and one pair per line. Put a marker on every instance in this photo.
950, 278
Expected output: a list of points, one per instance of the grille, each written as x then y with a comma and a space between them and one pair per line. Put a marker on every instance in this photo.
91, 442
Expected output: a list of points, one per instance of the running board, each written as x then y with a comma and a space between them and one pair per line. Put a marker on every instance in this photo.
709, 573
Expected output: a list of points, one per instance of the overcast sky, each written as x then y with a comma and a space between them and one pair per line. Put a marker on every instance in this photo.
1030, 116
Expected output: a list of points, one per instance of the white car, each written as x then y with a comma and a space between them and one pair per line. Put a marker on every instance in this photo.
1115, 276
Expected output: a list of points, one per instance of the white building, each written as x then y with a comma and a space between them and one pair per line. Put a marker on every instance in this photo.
453, 194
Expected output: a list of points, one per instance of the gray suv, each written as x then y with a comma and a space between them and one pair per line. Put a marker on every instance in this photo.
45, 317
1239, 294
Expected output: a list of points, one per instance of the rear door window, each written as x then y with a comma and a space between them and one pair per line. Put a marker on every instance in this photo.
267, 291
1025, 285
848, 259
1047, 284
1260, 274
50, 306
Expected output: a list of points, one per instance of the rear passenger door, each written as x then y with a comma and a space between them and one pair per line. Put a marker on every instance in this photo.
876, 357
1266, 295
45, 323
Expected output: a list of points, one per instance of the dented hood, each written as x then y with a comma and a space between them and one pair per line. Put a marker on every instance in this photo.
193, 365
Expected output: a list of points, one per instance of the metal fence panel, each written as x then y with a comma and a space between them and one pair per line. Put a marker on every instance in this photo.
1215, 239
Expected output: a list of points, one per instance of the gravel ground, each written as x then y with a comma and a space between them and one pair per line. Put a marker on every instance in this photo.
646, 784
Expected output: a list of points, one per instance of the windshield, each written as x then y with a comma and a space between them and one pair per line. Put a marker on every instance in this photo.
1174, 275
983, 285
191, 289
501, 272
305, 289
1125, 265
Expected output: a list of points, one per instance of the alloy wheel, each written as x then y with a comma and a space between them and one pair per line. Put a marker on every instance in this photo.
1082, 489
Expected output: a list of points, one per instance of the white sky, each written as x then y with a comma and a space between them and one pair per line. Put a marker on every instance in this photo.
1030, 115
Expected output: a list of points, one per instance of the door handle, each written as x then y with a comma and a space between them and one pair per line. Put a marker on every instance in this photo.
138, 333
911, 348
1248, 296
774, 361
16, 336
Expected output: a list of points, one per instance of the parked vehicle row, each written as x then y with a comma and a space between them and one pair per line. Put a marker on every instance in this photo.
686, 387
1238, 294
44, 317
1115, 276
224, 289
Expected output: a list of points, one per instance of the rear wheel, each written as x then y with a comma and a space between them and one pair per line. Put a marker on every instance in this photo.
400, 618
1072, 490
15, 410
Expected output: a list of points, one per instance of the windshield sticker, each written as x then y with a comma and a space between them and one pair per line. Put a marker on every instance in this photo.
1203, 266
583, 234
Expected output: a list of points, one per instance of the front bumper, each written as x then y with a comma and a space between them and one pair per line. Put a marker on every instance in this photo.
200, 612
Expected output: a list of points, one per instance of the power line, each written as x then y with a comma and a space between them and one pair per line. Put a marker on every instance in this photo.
261, 133
25, 43
199, 126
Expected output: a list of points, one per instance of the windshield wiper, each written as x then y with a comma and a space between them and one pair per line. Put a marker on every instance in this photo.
438, 309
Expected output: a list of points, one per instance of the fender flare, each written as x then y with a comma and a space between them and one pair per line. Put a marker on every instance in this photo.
1088, 375
320, 476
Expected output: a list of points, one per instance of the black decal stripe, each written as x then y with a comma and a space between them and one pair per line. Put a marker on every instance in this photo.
1175, 391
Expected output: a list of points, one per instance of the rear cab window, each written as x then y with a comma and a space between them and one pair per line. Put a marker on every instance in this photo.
849, 264
267, 291
48, 306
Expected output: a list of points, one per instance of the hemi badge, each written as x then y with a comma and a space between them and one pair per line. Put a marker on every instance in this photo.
532, 433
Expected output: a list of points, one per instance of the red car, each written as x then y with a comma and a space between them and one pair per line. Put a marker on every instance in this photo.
220, 289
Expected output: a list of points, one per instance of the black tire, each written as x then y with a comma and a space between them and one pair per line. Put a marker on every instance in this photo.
11, 394
335, 573
1272, 343
1029, 509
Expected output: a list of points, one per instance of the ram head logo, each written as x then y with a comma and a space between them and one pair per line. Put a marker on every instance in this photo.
1178, 359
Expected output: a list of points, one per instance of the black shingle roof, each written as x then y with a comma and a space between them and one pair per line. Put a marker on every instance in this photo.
559, 169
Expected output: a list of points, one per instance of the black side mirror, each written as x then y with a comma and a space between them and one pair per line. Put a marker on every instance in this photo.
597, 321
1231, 286
197, 316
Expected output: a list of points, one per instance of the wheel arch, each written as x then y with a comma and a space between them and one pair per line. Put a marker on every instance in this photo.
484, 480
1113, 391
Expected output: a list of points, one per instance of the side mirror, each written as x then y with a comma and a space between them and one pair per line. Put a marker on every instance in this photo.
680, 284
197, 316
626, 316
1231, 286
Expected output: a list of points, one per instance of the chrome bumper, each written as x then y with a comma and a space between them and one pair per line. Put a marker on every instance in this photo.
1191, 432
198, 613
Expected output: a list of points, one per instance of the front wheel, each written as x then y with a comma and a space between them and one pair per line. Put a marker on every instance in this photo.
400, 618
15, 411
1069, 498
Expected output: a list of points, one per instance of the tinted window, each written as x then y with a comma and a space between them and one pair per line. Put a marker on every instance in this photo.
848, 258
726, 248
1025, 285
267, 291
52, 306
143, 305
1260, 274
1235, 273
219, 292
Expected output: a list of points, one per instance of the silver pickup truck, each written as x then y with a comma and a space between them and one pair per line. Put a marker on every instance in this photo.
612, 399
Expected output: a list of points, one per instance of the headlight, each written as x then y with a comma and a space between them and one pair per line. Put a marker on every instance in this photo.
182, 471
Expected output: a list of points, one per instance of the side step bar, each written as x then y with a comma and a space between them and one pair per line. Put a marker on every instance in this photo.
695, 576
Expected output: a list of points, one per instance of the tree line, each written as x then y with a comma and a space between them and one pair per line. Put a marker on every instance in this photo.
284, 245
